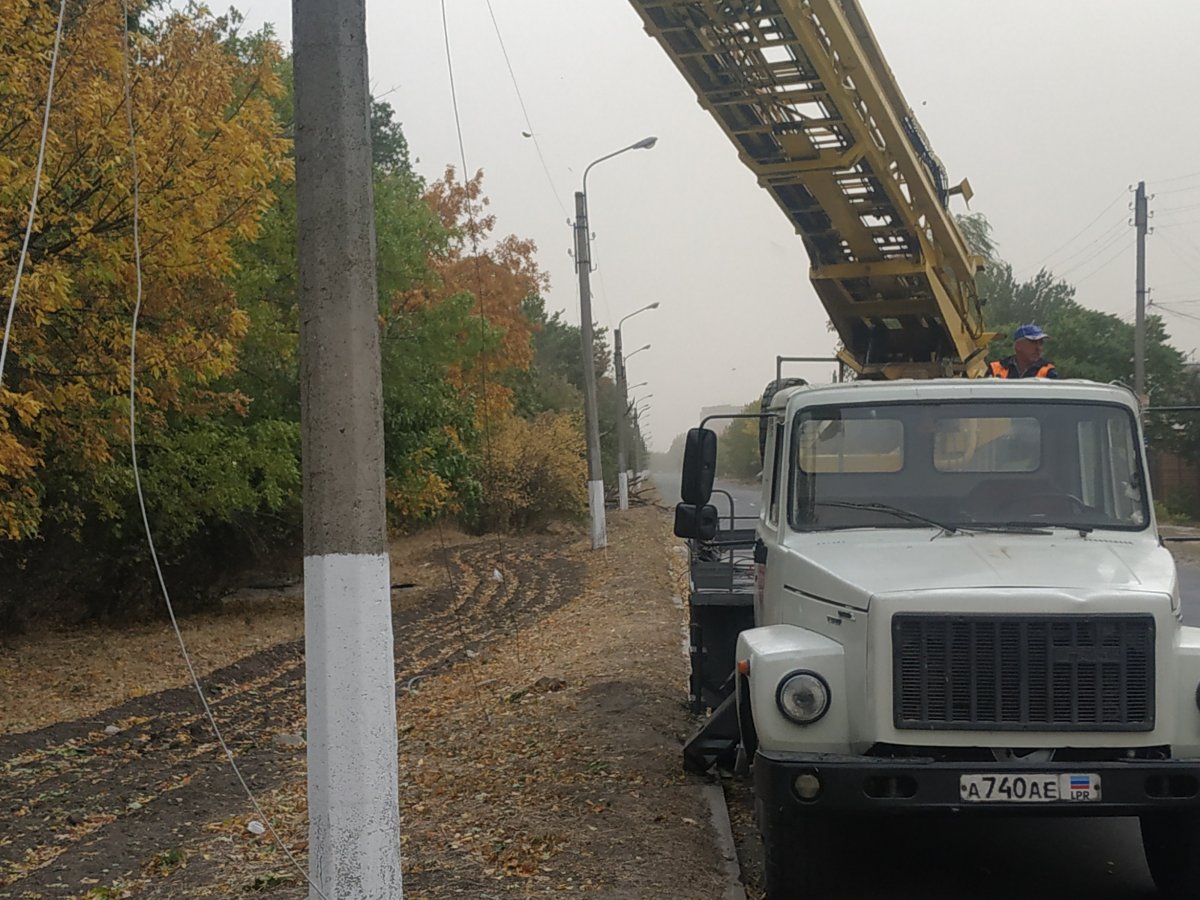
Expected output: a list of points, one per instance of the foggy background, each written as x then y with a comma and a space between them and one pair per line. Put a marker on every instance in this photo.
1052, 110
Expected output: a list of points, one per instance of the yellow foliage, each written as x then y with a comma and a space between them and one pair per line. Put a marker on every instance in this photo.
534, 471
208, 147
420, 492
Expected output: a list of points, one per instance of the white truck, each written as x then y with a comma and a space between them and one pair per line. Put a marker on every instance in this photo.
960, 603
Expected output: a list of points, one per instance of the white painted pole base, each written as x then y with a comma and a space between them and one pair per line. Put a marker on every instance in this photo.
623, 490
353, 832
596, 505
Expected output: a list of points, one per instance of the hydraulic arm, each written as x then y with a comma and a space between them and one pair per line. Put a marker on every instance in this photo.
804, 93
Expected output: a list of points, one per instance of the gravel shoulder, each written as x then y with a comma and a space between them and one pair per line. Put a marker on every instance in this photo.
540, 713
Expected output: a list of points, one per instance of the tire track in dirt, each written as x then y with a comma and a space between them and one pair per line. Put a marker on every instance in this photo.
79, 803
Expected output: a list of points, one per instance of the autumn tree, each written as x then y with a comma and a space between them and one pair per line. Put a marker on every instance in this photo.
208, 148
208, 151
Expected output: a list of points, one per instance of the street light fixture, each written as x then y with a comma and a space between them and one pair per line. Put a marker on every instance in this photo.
633, 354
583, 266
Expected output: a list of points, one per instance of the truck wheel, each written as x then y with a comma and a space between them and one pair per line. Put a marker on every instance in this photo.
796, 857
1171, 842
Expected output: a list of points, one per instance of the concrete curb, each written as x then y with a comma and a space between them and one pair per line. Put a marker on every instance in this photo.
719, 814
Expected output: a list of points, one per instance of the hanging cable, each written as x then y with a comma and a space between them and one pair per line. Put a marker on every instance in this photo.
1034, 268
482, 357
1115, 228
37, 184
1108, 262
525, 112
1173, 209
137, 477
1181, 252
1099, 251
1186, 177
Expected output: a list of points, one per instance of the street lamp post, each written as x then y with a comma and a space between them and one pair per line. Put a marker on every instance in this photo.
583, 265
623, 419
637, 427
637, 403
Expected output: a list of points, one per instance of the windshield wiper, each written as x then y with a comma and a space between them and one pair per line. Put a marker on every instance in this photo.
1008, 528
897, 511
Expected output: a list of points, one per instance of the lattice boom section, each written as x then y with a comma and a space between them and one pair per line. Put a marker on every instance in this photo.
802, 91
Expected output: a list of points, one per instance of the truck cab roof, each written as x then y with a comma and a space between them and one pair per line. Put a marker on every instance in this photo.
954, 390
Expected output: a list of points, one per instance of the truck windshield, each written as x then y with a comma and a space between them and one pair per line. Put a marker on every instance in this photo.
1024, 464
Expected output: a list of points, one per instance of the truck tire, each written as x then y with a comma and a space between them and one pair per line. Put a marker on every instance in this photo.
1171, 842
796, 857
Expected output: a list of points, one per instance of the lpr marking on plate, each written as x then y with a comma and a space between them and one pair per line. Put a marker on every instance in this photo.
999, 787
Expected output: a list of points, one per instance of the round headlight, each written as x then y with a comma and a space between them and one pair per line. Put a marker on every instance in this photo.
803, 697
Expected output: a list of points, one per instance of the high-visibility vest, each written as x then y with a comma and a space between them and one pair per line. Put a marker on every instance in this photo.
999, 370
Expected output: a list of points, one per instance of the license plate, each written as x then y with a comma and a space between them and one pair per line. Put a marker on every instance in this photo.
1031, 788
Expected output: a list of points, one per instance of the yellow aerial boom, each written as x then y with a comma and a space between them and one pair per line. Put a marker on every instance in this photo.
804, 93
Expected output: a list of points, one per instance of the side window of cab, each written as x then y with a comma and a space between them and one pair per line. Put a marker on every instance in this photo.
774, 487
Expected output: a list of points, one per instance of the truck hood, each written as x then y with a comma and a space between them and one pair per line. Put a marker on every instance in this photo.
849, 567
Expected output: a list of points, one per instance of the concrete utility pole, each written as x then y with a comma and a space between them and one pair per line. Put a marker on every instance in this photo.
354, 823
1141, 219
583, 265
623, 419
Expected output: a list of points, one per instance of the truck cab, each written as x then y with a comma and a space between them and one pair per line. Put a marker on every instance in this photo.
961, 605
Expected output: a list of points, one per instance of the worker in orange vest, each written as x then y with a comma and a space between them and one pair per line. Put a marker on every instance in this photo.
1026, 361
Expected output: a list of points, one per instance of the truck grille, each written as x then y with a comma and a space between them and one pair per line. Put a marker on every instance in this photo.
1023, 673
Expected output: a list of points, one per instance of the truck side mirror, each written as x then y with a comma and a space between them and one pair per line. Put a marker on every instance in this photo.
699, 466
692, 521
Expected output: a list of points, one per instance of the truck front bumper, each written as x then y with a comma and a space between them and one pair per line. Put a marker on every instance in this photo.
861, 784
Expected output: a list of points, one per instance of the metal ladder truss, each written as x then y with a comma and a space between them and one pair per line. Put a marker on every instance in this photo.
804, 93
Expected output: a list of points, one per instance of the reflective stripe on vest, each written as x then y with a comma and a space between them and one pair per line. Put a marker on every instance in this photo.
999, 370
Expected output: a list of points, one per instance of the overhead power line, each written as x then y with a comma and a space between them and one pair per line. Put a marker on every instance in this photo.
525, 112
1181, 252
1100, 250
37, 184
1120, 252
1036, 266
1173, 209
137, 476
1178, 178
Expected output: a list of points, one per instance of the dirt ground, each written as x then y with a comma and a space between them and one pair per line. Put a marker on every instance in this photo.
540, 691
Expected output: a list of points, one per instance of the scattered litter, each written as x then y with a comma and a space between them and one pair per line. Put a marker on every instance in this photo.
496, 576
111, 729
256, 827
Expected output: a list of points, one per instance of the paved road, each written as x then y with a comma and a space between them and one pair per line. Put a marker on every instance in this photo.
951, 857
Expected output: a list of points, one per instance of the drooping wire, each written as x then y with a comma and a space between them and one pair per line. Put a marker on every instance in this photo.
37, 185
1104, 247
1181, 252
1117, 254
1177, 312
137, 477
525, 112
1186, 177
485, 402
1174, 209
1033, 269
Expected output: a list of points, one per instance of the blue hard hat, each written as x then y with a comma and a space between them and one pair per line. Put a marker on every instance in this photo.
1030, 332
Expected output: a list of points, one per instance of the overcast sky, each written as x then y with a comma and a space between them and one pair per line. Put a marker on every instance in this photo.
1051, 109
